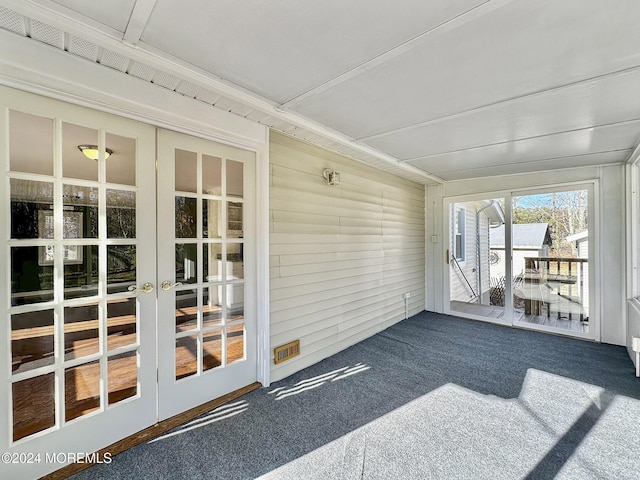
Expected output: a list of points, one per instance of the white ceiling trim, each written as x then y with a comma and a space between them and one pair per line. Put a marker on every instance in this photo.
451, 24
138, 21
110, 42
635, 156
502, 170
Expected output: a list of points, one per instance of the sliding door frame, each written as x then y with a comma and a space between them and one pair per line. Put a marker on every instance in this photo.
595, 257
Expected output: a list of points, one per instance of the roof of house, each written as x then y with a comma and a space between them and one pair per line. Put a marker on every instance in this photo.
525, 235
577, 237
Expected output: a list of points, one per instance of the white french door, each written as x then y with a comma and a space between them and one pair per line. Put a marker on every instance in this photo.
124, 302
206, 271
78, 235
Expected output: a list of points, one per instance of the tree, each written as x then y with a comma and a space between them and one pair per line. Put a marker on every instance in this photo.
566, 213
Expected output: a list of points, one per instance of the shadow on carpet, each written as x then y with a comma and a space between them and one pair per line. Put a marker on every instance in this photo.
431, 397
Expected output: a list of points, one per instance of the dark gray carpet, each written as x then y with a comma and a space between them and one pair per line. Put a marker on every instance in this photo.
431, 397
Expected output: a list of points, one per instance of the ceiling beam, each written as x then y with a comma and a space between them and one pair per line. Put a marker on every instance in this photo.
138, 21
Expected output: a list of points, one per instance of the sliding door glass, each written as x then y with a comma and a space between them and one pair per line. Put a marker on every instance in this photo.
477, 268
550, 239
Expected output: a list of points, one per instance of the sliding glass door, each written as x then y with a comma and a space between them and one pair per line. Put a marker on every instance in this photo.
522, 258
551, 260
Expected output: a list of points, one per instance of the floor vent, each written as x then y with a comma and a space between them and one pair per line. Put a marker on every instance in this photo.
285, 352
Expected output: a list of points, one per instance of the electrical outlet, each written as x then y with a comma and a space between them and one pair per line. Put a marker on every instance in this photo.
434, 238
407, 295
635, 344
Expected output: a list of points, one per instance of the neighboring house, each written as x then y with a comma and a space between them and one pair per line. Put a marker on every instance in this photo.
529, 240
581, 243
470, 224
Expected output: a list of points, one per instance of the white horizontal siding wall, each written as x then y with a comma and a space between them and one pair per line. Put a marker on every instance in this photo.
341, 257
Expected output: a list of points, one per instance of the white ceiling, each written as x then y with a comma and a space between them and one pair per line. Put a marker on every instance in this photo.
454, 88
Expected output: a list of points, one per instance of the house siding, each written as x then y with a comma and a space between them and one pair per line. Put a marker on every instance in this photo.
341, 257
459, 289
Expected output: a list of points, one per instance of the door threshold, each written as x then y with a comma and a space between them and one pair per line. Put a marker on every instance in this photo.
153, 431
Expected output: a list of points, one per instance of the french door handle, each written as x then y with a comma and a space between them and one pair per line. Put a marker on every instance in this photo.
167, 285
146, 288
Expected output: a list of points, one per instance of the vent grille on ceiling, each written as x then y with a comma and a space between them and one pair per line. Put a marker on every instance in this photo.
12, 21
82, 48
285, 352
47, 34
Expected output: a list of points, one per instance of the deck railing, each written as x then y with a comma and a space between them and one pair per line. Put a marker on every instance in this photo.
559, 285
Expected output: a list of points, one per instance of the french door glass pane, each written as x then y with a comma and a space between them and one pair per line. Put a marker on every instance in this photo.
235, 343
122, 371
186, 171
186, 310
32, 340
234, 220
33, 405
551, 259
211, 349
81, 331
211, 305
235, 178
186, 356
121, 322
74, 163
31, 143
80, 270
235, 302
211, 218
186, 262
80, 211
82, 390
31, 209
31, 274
121, 214
186, 217
121, 164
121, 267
211, 175
212, 261
235, 261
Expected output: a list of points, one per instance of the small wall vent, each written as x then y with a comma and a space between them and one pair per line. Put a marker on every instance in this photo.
285, 352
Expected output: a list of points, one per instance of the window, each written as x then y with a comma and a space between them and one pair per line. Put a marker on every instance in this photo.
459, 239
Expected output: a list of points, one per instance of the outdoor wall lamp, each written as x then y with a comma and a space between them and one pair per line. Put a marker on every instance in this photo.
332, 177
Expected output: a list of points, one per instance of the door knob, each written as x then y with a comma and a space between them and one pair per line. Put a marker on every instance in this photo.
146, 288
167, 285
